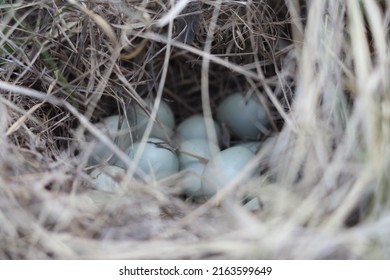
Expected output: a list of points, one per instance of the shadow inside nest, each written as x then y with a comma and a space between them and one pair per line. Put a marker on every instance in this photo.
258, 36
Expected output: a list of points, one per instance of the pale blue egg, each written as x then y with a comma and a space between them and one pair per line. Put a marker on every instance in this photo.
224, 167
253, 146
244, 118
196, 150
193, 156
157, 160
191, 180
107, 178
138, 119
194, 127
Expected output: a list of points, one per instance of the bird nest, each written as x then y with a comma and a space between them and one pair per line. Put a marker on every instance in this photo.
320, 68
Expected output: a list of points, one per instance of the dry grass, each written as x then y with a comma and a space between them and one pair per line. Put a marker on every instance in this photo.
322, 69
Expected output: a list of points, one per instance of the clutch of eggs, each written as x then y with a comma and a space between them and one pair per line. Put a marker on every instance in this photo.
205, 169
124, 132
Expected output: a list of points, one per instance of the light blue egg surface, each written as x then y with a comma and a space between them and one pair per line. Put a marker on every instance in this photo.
224, 167
253, 146
138, 119
191, 180
253, 204
157, 160
194, 127
244, 118
107, 177
196, 151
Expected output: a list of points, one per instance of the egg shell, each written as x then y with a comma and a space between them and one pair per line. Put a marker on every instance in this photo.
253, 204
253, 146
194, 127
244, 118
107, 177
224, 167
157, 159
199, 148
163, 129
191, 181
120, 136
